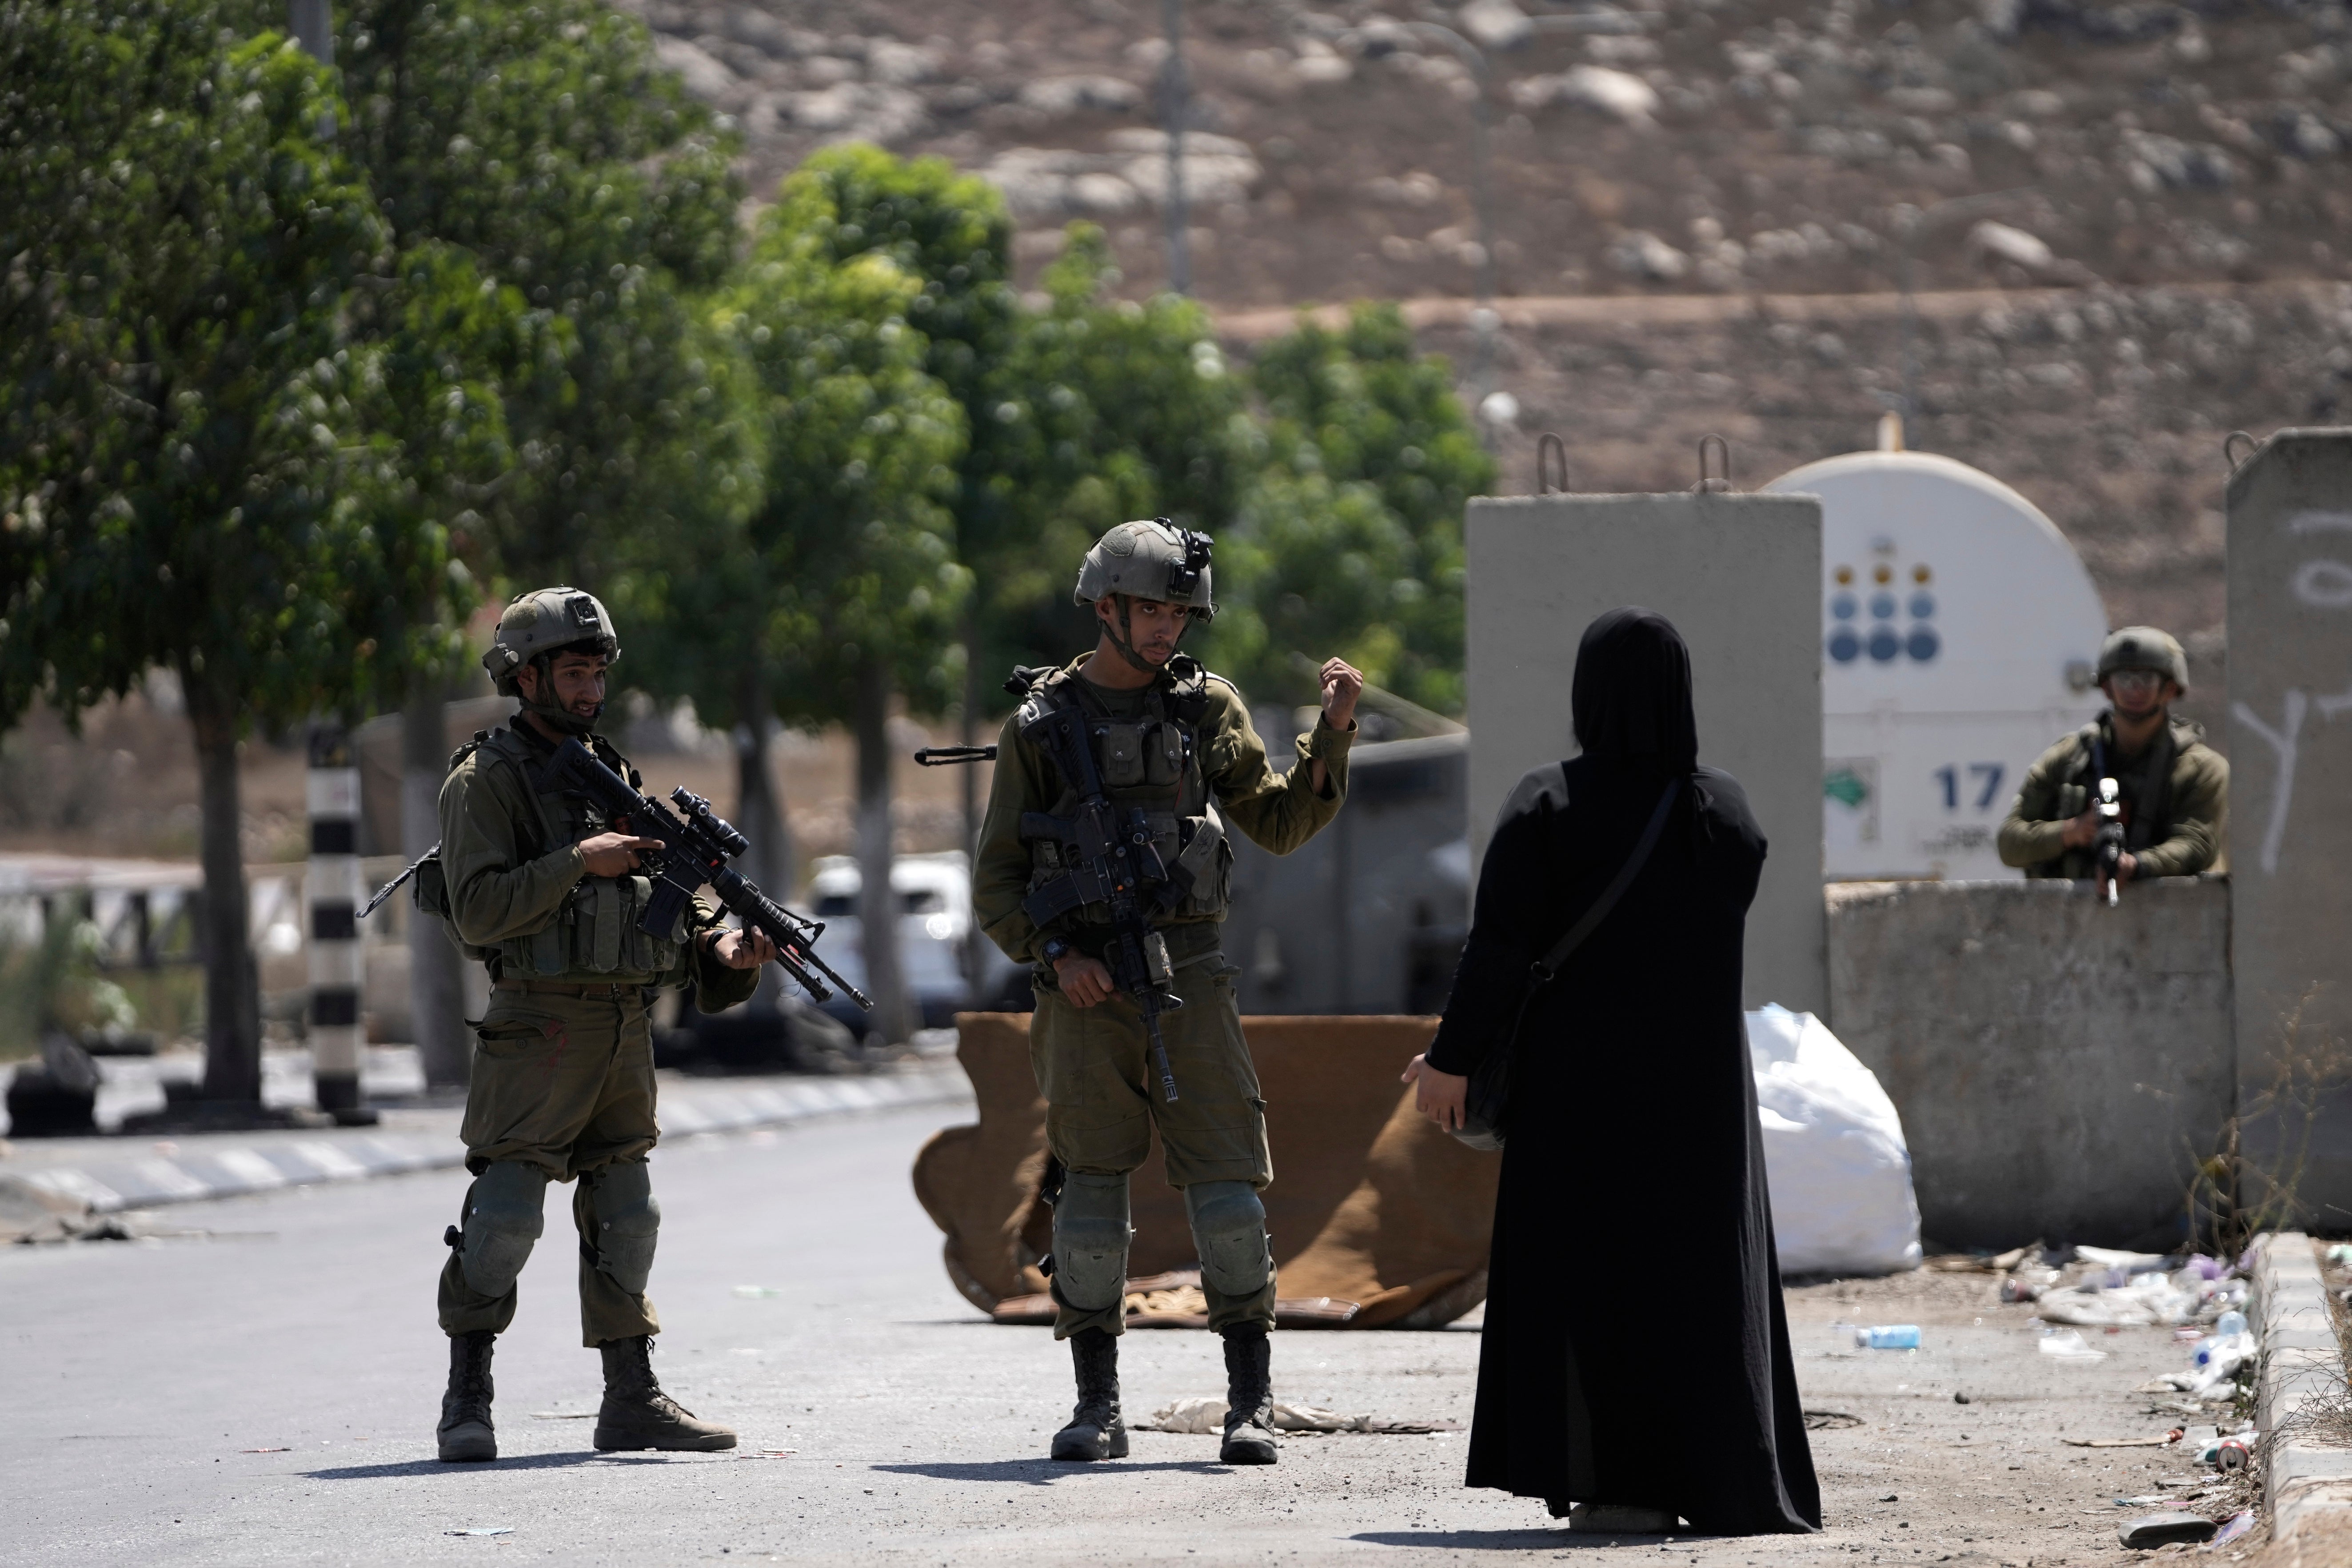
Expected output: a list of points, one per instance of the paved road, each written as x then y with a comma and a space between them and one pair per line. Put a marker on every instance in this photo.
139, 1375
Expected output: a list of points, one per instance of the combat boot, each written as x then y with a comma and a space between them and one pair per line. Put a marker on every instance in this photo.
637, 1414
466, 1432
1249, 1397
1096, 1430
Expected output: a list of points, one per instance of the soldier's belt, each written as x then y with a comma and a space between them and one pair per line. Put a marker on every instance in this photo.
614, 991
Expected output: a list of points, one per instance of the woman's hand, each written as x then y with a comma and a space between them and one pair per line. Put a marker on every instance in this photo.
1443, 1097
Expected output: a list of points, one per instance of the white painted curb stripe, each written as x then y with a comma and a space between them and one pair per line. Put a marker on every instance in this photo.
232, 1171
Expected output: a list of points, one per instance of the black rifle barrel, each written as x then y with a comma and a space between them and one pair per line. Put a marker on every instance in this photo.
696, 849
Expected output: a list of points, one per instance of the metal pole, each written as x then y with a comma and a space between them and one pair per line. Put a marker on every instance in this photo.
1172, 96
331, 891
314, 25
312, 22
1483, 320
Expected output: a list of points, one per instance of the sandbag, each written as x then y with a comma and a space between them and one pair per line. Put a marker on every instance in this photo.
1833, 1153
1377, 1218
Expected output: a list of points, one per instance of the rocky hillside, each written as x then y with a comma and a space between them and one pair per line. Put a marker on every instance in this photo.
2134, 214
1678, 144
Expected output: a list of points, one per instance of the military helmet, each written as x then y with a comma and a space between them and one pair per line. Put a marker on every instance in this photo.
1151, 559
541, 622
2144, 647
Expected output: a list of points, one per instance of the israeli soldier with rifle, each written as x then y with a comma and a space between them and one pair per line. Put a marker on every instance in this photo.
2134, 794
545, 884
1103, 862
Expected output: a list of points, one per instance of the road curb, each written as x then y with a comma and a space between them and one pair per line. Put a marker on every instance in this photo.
2305, 1481
113, 1185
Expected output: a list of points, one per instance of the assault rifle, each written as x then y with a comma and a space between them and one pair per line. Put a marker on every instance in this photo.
696, 849
1106, 861
2110, 841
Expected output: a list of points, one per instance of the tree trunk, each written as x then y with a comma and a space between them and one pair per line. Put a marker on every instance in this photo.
770, 861
878, 904
437, 987
232, 982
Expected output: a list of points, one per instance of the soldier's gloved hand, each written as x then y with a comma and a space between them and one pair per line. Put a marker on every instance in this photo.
1342, 683
613, 854
743, 948
1084, 981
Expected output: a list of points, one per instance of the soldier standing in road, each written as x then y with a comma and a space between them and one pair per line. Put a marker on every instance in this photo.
2174, 788
1175, 742
538, 885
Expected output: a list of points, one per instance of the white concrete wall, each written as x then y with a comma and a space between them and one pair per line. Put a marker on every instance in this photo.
1739, 575
2290, 757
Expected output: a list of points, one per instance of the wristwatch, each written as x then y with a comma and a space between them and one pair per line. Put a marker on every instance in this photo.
1054, 949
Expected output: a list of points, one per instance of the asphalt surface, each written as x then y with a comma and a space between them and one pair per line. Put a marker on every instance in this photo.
267, 1394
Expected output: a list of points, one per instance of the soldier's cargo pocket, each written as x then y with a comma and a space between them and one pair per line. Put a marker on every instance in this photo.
514, 1034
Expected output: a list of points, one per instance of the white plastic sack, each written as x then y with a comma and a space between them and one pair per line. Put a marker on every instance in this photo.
1833, 1151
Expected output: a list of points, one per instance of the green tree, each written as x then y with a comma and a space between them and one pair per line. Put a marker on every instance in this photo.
182, 483
1350, 540
845, 591
542, 148
1107, 409
548, 143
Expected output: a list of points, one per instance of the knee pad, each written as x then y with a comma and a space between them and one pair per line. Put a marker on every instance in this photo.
1229, 1228
628, 1221
503, 1218
1090, 1235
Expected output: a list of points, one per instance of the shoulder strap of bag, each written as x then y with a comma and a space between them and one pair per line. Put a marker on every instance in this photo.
1543, 968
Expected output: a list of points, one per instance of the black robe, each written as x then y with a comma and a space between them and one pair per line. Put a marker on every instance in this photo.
1636, 1351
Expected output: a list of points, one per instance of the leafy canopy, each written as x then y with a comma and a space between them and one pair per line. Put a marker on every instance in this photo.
182, 472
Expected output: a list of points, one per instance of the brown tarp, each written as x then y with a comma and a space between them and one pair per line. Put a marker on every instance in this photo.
1380, 1220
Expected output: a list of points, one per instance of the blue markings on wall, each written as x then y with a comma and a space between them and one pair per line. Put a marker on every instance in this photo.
1883, 642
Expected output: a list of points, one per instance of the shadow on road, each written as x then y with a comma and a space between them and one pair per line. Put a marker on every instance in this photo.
1044, 1472
518, 1462
1491, 1540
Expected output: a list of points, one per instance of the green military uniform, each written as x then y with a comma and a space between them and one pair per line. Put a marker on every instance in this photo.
2176, 798
2175, 792
563, 1077
1101, 1099
562, 1084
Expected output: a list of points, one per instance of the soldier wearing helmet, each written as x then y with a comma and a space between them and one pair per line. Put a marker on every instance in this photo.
1176, 742
538, 885
2174, 788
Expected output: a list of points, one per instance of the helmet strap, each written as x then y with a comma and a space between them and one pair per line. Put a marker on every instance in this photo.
547, 707
1122, 635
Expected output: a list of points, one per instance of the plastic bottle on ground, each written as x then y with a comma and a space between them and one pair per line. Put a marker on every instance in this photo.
1889, 1337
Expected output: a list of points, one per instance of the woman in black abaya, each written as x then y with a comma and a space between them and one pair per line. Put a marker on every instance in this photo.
1632, 1117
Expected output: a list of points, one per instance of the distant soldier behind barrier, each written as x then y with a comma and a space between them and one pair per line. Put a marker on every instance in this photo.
2175, 789
537, 884
1171, 747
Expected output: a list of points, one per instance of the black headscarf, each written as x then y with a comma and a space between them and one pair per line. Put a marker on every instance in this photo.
1632, 695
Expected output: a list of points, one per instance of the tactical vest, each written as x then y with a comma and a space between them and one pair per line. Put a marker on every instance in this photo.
1153, 760
596, 928
2151, 804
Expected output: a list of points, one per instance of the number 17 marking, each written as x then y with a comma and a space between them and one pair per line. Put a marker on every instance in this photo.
1949, 777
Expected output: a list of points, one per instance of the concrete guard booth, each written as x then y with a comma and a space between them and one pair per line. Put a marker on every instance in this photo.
1960, 636
2290, 542
1739, 575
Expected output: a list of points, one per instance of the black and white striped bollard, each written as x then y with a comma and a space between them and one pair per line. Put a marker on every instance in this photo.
333, 891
